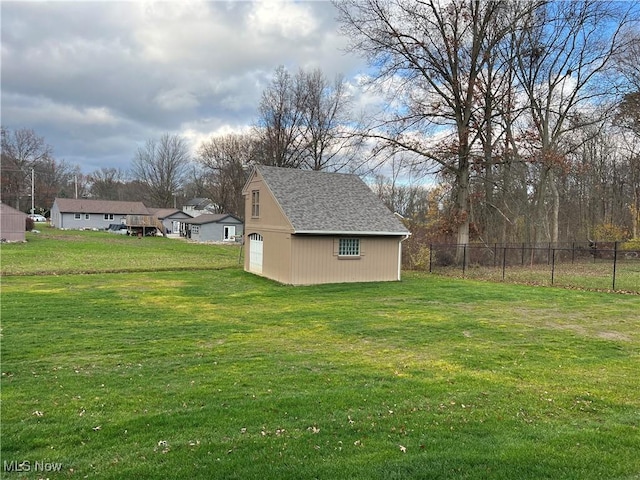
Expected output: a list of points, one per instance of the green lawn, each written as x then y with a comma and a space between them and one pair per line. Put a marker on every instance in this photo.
220, 374
74, 251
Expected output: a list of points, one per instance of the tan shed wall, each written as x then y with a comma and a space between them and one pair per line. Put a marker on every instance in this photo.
314, 260
271, 217
275, 230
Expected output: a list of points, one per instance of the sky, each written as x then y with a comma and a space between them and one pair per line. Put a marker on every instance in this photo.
97, 79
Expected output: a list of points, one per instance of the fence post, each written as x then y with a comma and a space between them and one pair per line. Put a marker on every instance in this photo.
495, 253
504, 261
523, 253
615, 261
430, 256
553, 264
464, 258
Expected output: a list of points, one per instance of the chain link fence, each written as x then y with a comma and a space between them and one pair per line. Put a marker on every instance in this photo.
599, 266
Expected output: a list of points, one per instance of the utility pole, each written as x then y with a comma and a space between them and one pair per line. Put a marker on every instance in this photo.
33, 191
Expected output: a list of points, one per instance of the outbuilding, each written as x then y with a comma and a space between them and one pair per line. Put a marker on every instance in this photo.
220, 227
307, 227
12, 224
172, 219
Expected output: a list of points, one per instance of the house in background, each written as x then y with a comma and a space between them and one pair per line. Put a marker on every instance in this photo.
220, 227
307, 227
199, 206
75, 214
12, 224
172, 219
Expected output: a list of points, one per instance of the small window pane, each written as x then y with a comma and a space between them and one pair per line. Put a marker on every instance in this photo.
349, 247
255, 203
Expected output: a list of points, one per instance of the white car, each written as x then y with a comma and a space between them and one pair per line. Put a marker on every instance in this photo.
37, 218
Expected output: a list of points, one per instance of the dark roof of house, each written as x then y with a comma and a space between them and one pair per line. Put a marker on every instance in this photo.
321, 202
210, 218
199, 203
162, 213
82, 205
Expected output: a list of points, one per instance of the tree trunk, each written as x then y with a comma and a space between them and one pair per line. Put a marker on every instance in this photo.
462, 209
555, 207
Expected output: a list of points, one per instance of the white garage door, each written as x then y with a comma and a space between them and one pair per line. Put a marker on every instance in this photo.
255, 253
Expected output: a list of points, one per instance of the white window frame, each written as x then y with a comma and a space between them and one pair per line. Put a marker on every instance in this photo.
87, 216
77, 216
108, 216
195, 229
229, 233
349, 247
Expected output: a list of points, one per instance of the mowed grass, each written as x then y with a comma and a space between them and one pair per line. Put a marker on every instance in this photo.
72, 251
221, 374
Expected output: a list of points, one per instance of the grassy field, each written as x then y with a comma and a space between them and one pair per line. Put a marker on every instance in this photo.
72, 251
586, 275
216, 373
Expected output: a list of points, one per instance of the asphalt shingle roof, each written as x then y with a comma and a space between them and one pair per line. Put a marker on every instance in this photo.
209, 218
322, 202
80, 205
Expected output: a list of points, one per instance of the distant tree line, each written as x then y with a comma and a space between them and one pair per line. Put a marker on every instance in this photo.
502, 121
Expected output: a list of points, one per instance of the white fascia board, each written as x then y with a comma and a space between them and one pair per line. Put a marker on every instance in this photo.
351, 233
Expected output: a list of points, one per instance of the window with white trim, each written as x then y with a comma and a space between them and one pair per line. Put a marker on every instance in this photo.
349, 247
195, 229
87, 216
77, 216
108, 216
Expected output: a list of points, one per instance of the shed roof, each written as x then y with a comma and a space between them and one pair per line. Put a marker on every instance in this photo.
324, 203
82, 205
9, 210
210, 218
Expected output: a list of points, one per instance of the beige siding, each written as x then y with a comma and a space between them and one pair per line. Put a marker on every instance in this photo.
276, 260
271, 216
312, 259
275, 230
315, 260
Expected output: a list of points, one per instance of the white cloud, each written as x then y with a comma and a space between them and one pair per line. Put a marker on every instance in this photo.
292, 21
89, 74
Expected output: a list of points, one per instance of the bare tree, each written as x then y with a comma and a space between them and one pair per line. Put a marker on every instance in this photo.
564, 53
107, 183
303, 122
161, 166
22, 150
279, 121
326, 141
432, 54
226, 160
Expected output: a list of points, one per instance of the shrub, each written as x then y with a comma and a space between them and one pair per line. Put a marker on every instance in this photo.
28, 224
633, 244
609, 232
420, 259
